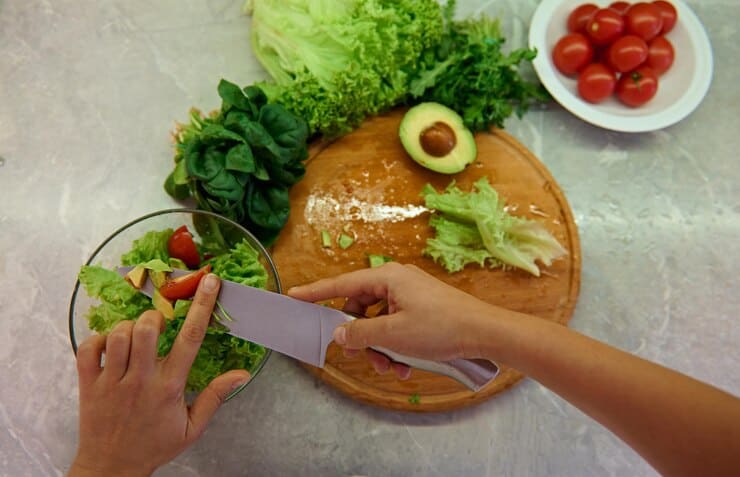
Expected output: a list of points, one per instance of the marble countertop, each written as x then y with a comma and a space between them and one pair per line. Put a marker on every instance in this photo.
89, 91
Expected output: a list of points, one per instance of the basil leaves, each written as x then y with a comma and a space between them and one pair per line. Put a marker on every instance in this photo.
240, 161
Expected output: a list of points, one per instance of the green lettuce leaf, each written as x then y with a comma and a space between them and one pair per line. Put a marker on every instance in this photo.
474, 227
153, 245
335, 63
118, 300
220, 352
158, 265
241, 265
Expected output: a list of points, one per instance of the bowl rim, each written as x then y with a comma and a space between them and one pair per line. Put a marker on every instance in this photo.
261, 249
686, 104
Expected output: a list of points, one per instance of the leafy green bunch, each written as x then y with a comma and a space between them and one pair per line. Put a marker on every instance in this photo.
337, 62
240, 161
469, 72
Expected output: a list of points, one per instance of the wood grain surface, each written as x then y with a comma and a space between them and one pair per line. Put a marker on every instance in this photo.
366, 186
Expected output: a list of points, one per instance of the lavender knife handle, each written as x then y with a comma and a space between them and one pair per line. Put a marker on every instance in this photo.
473, 373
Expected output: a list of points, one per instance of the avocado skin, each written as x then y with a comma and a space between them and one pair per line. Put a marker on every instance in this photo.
423, 116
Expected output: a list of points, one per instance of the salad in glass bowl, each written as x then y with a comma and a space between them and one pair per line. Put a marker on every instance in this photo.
153, 246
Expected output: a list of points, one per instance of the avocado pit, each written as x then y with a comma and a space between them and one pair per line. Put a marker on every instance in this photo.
438, 140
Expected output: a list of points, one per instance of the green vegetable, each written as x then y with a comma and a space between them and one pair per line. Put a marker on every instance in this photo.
474, 228
345, 241
378, 260
157, 265
118, 300
325, 239
241, 265
415, 399
152, 246
182, 307
240, 161
220, 352
177, 263
469, 72
336, 63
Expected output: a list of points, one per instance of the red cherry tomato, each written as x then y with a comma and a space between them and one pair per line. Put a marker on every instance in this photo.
644, 20
605, 27
637, 87
580, 16
183, 287
669, 14
180, 245
627, 53
596, 83
572, 53
620, 7
660, 55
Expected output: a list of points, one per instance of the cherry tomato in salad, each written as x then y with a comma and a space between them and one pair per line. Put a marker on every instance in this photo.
644, 20
637, 87
181, 245
183, 287
572, 53
660, 55
579, 17
596, 83
627, 53
604, 27
668, 13
620, 7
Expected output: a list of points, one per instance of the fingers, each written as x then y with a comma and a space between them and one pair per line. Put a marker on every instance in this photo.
364, 332
382, 365
379, 362
117, 347
369, 283
211, 398
144, 342
361, 305
402, 371
89, 354
193, 330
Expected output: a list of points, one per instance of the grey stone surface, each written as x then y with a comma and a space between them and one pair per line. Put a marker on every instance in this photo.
88, 93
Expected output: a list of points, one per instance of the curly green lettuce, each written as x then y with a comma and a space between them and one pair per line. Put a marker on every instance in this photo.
470, 72
152, 246
474, 227
241, 265
336, 63
118, 300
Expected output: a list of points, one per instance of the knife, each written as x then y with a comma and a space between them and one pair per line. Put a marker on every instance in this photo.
304, 330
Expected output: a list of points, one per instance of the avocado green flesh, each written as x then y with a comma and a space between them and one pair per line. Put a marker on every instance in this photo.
422, 117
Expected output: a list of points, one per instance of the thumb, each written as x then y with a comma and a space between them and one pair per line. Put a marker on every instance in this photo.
362, 332
211, 398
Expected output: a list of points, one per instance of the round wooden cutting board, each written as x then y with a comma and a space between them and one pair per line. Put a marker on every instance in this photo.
365, 185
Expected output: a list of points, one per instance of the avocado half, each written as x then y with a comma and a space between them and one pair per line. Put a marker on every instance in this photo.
435, 137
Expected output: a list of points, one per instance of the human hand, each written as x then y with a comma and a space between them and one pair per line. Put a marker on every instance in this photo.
133, 414
425, 317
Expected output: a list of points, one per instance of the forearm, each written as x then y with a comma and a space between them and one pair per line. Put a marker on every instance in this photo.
679, 425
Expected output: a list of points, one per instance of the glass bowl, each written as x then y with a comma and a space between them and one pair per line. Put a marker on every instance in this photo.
108, 254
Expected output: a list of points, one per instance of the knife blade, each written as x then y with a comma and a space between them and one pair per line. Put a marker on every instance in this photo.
304, 330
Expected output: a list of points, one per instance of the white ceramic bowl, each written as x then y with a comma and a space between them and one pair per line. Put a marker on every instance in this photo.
680, 89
